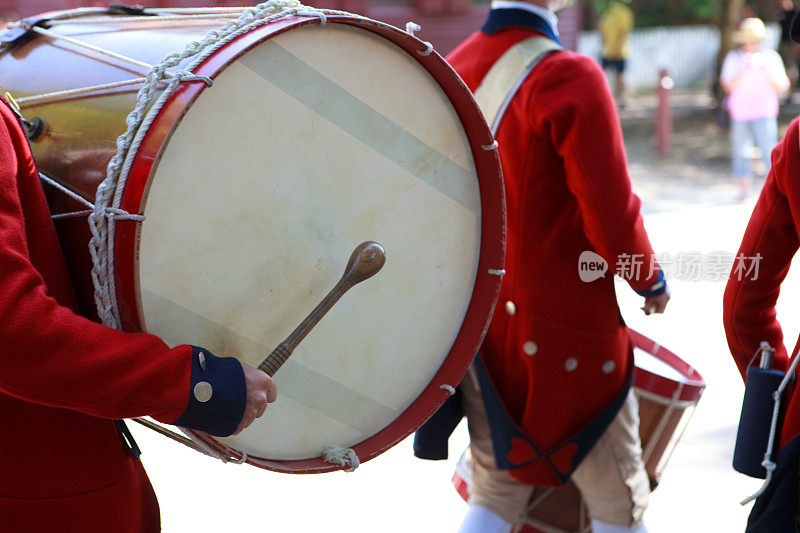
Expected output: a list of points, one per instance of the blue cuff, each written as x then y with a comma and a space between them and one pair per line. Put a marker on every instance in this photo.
657, 288
217, 394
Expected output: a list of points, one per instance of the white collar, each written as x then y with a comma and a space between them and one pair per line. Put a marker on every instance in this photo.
548, 16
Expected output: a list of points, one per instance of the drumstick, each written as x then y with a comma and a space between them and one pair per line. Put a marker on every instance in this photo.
365, 261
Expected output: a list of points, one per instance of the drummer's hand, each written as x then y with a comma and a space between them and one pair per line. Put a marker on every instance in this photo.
261, 390
656, 304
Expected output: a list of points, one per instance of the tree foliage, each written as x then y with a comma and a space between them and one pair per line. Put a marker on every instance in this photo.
651, 13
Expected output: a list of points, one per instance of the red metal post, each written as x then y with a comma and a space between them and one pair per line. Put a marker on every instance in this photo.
664, 115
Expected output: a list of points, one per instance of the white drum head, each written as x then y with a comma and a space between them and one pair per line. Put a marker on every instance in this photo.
308, 144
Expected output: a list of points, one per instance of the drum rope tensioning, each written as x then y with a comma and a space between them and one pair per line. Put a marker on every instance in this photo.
109, 192
147, 16
106, 206
102, 226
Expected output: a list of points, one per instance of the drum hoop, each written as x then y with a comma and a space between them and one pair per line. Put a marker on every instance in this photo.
171, 108
102, 221
693, 385
661, 400
665, 387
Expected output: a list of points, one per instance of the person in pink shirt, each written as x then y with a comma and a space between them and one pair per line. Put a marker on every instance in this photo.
754, 78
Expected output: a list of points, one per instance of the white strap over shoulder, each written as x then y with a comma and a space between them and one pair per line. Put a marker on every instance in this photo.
505, 77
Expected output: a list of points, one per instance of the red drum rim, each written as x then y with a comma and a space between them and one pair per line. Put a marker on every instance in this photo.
461, 486
491, 256
693, 384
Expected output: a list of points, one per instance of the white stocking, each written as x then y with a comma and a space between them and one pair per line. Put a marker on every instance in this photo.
602, 527
481, 520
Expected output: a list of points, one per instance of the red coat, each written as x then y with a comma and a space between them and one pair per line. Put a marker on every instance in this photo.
63, 379
557, 349
749, 302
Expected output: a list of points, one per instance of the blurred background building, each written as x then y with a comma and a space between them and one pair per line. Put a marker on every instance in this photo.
445, 23
688, 38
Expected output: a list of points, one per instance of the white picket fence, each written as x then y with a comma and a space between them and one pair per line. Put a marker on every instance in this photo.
688, 53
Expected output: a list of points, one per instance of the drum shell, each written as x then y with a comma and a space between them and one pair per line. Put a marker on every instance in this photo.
652, 426
562, 508
81, 132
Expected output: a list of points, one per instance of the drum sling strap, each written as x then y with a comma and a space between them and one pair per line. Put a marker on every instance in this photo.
127, 438
501, 83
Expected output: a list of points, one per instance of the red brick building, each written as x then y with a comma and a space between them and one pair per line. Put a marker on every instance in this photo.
444, 22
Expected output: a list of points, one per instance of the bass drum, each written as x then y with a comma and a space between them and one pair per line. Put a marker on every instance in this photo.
228, 210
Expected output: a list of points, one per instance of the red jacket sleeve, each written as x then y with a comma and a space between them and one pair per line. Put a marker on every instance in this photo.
581, 119
55, 357
769, 243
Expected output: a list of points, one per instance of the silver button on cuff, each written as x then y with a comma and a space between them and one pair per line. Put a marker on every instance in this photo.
201, 357
608, 367
570, 364
203, 391
530, 348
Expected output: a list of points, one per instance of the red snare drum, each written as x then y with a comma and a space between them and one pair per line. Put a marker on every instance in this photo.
321, 130
665, 386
